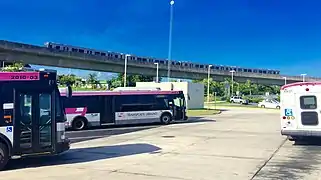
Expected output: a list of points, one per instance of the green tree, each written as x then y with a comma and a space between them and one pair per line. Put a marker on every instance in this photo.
13, 68
131, 80
92, 80
67, 79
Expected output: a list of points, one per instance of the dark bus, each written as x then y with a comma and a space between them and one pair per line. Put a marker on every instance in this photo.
95, 108
32, 119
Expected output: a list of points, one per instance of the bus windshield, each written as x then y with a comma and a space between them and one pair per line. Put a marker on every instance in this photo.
179, 101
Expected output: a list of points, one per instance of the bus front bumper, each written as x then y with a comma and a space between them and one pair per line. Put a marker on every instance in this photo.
287, 132
63, 146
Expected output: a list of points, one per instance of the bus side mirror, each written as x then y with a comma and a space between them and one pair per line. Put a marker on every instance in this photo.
68, 91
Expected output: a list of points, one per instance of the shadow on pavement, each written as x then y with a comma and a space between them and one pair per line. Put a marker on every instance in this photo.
195, 120
311, 141
84, 155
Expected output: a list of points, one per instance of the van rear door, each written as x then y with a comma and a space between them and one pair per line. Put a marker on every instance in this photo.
307, 111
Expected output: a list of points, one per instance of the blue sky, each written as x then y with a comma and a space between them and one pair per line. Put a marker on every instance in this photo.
284, 35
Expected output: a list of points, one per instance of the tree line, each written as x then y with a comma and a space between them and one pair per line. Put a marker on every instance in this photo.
247, 88
221, 88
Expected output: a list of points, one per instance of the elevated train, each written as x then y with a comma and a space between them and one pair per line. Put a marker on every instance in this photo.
116, 55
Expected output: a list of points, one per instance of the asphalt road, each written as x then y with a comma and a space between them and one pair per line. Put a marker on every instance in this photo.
85, 135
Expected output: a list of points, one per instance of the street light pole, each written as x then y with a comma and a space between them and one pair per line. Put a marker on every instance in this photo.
170, 40
208, 83
125, 71
156, 72
303, 77
284, 80
232, 81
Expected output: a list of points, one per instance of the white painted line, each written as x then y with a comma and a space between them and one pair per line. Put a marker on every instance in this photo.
87, 137
111, 129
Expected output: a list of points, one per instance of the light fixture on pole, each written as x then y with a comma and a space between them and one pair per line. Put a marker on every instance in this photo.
233, 71
156, 72
284, 80
303, 77
208, 83
170, 41
125, 71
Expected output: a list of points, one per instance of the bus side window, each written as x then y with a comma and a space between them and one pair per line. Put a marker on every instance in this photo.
161, 104
308, 102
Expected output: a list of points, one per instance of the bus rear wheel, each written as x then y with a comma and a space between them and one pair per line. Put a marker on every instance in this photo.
79, 123
4, 156
166, 118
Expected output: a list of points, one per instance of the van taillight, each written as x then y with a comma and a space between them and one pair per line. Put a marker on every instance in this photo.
306, 89
284, 117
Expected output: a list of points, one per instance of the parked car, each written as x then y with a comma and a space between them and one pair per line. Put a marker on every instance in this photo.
269, 103
238, 99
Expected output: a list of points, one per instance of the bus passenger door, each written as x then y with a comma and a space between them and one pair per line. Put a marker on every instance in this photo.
108, 116
33, 123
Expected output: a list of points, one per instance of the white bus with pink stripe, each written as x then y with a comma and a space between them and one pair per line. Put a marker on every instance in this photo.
95, 108
32, 117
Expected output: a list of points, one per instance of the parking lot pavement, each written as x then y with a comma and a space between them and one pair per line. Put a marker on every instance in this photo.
94, 133
232, 145
294, 162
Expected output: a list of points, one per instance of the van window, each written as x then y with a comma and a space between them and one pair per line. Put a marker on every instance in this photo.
308, 102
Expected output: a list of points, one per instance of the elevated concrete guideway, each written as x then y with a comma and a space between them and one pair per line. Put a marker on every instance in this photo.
30, 54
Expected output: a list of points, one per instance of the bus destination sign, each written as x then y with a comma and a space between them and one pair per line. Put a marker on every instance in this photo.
19, 76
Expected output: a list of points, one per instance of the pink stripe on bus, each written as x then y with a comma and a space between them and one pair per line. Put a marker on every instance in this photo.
301, 84
82, 111
19, 76
109, 93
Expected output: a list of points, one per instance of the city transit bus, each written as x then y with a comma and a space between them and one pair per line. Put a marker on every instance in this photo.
32, 119
95, 108
300, 110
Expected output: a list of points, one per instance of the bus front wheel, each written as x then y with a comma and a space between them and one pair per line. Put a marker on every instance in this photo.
4, 156
166, 118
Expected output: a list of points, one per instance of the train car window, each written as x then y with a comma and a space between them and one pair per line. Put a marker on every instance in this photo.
201, 66
58, 47
97, 53
216, 67
73, 50
81, 51
173, 63
50, 46
260, 71
116, 56
103, 54
255, 71
212, 67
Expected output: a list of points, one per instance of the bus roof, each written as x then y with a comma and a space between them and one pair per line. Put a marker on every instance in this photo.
301, 84
109, 93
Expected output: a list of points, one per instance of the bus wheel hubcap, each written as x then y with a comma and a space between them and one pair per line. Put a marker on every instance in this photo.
79, 124
1, 155
165, 119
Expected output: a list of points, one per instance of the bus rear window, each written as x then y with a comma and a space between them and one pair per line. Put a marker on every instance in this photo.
308, 102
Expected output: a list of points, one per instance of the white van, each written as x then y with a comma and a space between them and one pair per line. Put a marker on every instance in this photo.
301, 110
